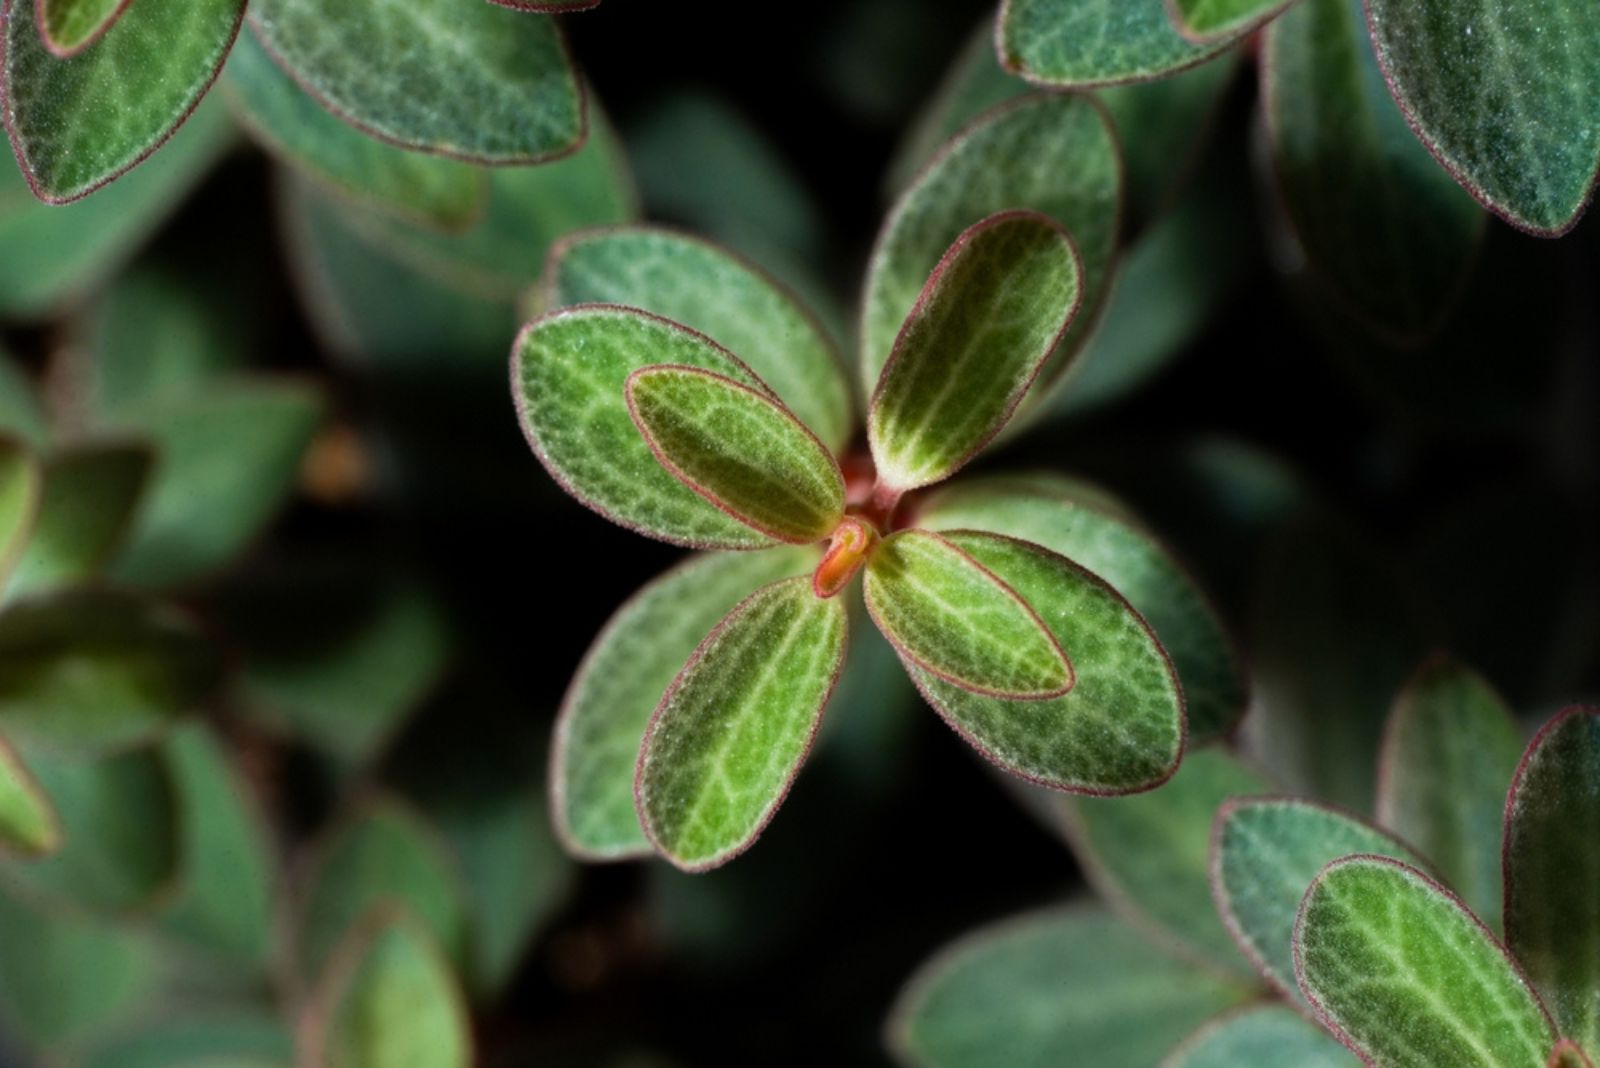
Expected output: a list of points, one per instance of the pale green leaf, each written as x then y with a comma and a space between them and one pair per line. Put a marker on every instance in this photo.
21, 491
623, 675
1094, 42
739, 449
569, 375
1264, 854
70, 26
989, 317
1052, 154
89, 670
78, 123
1148, 855
1449, 751
1409, 977
1068, 986
471, 80
948, 614
730, 733
390, 1000
1071, 519
1552, 870
29, 824
1120, 729
1388, 231
1502, 94
427, 188
1207, 21
90, 492
1268, 1036
709, 290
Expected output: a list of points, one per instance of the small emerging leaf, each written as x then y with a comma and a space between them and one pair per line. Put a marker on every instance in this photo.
21, 488
29, 825
1094, 42
70, 26
740, 450
620, 682
1449, 750
1268, 1036
90, 492
1264, 853
1552, 870
949, 615
1208, 21
1408, 977
991, 313
1121, 728
733, 728
1070, 986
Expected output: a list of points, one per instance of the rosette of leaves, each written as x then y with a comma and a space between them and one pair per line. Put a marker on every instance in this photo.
91, 88
1377, 943
677, 391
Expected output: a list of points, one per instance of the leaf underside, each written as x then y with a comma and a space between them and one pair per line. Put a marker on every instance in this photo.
1264, 1037
1094, 42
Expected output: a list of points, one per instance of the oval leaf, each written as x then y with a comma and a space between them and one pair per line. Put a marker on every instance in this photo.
300, 131
1146, 854
733, 728
1070, 986
1552, 869
29, 825
1389, 232
1263, 1037
623, 675
21, 488
1449, 750
1078, 522
1405, 975
1094, 42
1264, 853
90, 492
1053, 154
1210, 21
947, 614
469, 80
1120, 730
70, 26
1502, 94
569, 373
77, 123
991, 313
711, 290
740, 450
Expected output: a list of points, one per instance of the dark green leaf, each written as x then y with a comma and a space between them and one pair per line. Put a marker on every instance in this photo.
90, 492
29, 825
21, 415
1094, 42
1268, 1036
215, 1039
1406, 975
733, 728
21, 492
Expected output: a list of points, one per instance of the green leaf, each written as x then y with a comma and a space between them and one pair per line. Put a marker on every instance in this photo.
1068, 518
230, 1038
730, 733
21, 492
1500, 93
55, 253
1568, 1054
1210, 21
1261, 1037
1449, 750
574, 412
1052, 154
707, 289
1094, 42
1068, 986
470, 80
617, 687
384, 852
1121, 728
70, 26
390, 1000
1389, 232
989, 317
297, 129
1148, 854
21, 416
950, 616
29, 824
88, 670
1264, 854
119, 827
224, 901
77, 123
739, 449
227, 458
90, 492
1401, 971
1552, 870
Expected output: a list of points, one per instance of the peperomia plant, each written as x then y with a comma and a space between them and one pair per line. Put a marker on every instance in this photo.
1367, 935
